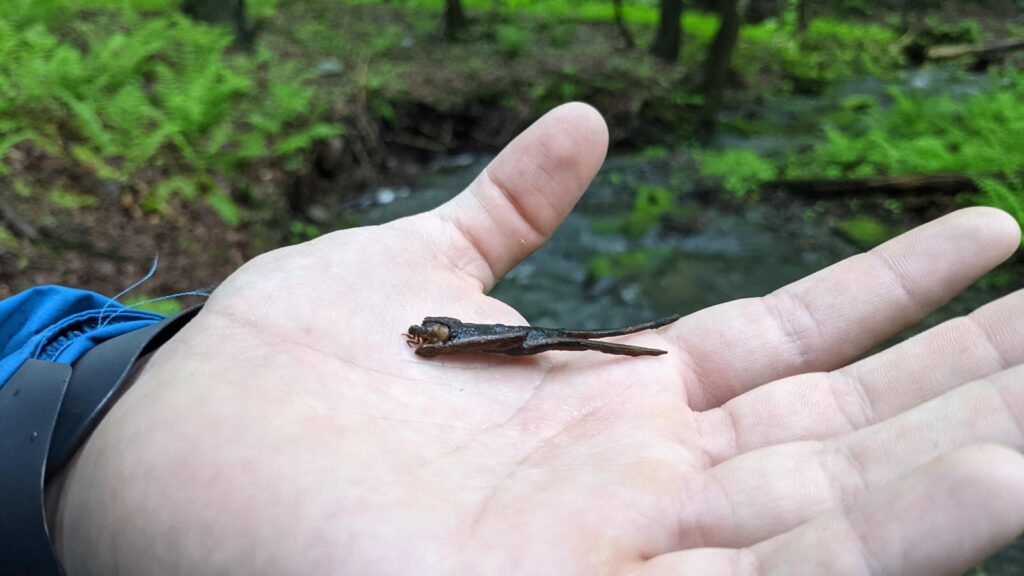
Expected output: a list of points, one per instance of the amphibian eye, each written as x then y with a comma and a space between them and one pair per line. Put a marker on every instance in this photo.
428, 333
435, 333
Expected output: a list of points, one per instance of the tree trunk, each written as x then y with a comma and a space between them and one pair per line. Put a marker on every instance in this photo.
761, 10
620, 22
222, 12
718, 64
801, 16
454, 19
911, 15
669, 38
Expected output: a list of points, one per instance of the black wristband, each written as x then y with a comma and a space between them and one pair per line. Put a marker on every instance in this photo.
47, 410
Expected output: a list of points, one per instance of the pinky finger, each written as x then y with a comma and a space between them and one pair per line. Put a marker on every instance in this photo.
942, 518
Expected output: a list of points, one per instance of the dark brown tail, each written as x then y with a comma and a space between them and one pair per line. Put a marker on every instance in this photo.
621, 331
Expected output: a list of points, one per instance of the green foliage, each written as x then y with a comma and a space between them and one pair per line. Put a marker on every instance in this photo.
561, 35
832, 50
852, 108
629, 264
22, 189
7, 239
740, 172
302, 231
24, 12
555, 90
160, 105
650, 205
998, 279
919, 133
512, 39
71, 200
1006, 195
938, 32
653, 153
167, 307
865, 231
224, 206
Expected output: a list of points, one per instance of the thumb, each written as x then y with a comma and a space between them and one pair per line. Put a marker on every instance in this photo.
522, 196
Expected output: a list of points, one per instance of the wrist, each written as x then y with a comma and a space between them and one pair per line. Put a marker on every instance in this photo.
73, 484
73, 373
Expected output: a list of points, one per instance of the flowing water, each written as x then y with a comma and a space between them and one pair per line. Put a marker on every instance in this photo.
722, 251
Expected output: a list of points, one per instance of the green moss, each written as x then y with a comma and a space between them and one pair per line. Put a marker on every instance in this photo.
650, 205
625, 265
865, 231
740, 172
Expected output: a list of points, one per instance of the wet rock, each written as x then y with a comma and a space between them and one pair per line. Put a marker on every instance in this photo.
328, 67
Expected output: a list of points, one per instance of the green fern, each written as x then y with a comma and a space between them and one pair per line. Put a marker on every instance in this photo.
139, 97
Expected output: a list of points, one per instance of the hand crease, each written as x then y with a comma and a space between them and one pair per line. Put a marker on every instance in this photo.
278, 337
1004, 400
988, 341
441, 256
487, 502
712, 478
869, 563
843, 378
516, 203
896, 278
853, 469
797, 336
684, 361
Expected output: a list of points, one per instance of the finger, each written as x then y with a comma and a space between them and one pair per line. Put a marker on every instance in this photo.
519, 200
822, 405
802, 479
941, 519
829, 318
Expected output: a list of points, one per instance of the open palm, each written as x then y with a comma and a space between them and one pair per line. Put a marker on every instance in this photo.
290, 430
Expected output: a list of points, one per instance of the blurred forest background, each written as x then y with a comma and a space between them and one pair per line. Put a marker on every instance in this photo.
753, 141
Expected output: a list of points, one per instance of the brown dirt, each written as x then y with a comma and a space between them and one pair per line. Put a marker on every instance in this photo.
111, 245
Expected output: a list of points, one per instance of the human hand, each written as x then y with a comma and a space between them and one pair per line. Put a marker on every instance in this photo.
288, 429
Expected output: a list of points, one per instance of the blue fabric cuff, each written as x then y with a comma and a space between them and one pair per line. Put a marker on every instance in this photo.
60, 324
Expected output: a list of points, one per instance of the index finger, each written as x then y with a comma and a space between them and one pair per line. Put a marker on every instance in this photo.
827, 319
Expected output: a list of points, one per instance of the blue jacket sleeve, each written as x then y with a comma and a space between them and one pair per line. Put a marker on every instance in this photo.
60, 324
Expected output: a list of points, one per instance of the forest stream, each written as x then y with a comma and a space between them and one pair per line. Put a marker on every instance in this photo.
720, 252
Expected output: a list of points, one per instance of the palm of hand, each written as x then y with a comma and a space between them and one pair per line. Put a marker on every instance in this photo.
291, 412
449, 454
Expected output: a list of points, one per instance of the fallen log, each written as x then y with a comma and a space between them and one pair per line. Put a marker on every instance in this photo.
905, 185
983, 51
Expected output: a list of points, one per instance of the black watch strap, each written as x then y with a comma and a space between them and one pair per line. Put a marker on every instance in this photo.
47, 410
98, 378
29, 403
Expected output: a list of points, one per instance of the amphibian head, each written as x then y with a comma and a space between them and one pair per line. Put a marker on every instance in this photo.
426, 336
